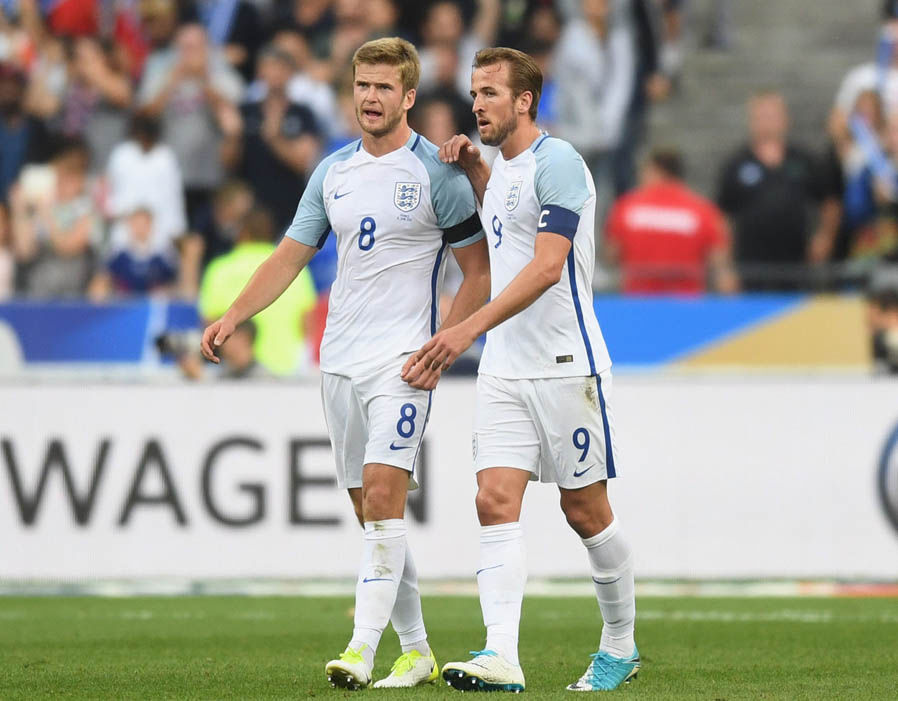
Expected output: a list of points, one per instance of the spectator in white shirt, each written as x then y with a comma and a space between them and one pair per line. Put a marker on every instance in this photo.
595, 70
143, 171
194, 92
880, 75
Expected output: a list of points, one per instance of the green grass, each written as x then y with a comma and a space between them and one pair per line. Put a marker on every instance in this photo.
239, 648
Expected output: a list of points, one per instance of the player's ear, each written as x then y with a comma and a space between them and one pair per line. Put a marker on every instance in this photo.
525, 99
410, 98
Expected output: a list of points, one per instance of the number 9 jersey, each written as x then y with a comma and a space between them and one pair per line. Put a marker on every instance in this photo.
545, 188
393, 216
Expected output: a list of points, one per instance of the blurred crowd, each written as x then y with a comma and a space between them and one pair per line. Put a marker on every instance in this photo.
160, 146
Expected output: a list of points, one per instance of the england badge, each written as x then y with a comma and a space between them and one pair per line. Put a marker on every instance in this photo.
513, 196
406, 196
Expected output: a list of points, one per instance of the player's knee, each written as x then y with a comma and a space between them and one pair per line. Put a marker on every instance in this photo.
496, 505
584, 519
377, 502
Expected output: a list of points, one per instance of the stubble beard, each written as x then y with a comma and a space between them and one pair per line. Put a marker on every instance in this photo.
390, 125
502, 131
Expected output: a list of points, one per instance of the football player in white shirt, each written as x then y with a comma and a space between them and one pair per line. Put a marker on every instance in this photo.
395, 208
542, 408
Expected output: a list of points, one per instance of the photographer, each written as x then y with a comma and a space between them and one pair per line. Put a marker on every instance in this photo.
882, 316
238, 359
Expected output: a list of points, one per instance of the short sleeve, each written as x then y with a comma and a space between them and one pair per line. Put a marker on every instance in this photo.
455, 207
310, 223
561, 187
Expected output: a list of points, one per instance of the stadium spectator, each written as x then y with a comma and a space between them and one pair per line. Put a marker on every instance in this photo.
238, 356
652, 83
595, 70
230, 205
857, 155
350, 30
144, 171
138, 265
882, 242
23, 139
542, 53
770, 189
345, 125
73, 17
531, 21
194, 91
235, 26
313, 19
443, 32
667, 238
304, 87
382, 17
56, 227
280, 345
442, 86
434, 119
88, 100
20, 28
158, 24
880, 75
7, 260
274, 142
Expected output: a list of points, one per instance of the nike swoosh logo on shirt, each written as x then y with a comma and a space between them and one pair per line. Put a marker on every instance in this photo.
376, 579
484, 569
338, 196
393, 446
577, 474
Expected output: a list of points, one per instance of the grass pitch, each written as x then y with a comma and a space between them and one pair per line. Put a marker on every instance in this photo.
276, 648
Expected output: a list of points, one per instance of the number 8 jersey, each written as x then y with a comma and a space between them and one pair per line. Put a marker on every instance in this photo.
545, 188
393, 216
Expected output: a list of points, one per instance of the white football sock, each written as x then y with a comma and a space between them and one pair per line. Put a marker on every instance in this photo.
611, 562
383, 558
407, 618
500, 580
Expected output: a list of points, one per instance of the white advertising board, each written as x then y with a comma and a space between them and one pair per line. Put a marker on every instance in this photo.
719, 478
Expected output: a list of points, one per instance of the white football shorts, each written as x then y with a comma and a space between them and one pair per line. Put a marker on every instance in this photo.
376, 418
559, 429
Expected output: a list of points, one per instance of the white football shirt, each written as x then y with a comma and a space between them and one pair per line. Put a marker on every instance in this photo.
546, 188
393, 216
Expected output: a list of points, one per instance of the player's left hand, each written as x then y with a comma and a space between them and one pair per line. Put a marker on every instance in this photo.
423, 369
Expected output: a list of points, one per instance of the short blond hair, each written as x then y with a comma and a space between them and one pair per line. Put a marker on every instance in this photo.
393, 51
523, 73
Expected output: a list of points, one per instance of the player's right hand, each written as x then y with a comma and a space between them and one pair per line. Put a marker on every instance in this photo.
214, 336
459, 149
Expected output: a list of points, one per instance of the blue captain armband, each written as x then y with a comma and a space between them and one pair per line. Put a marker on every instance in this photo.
558, 220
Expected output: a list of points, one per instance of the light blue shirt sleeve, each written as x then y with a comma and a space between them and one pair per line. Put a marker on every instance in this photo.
452, 197
560, 176
560, 185
310, 223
